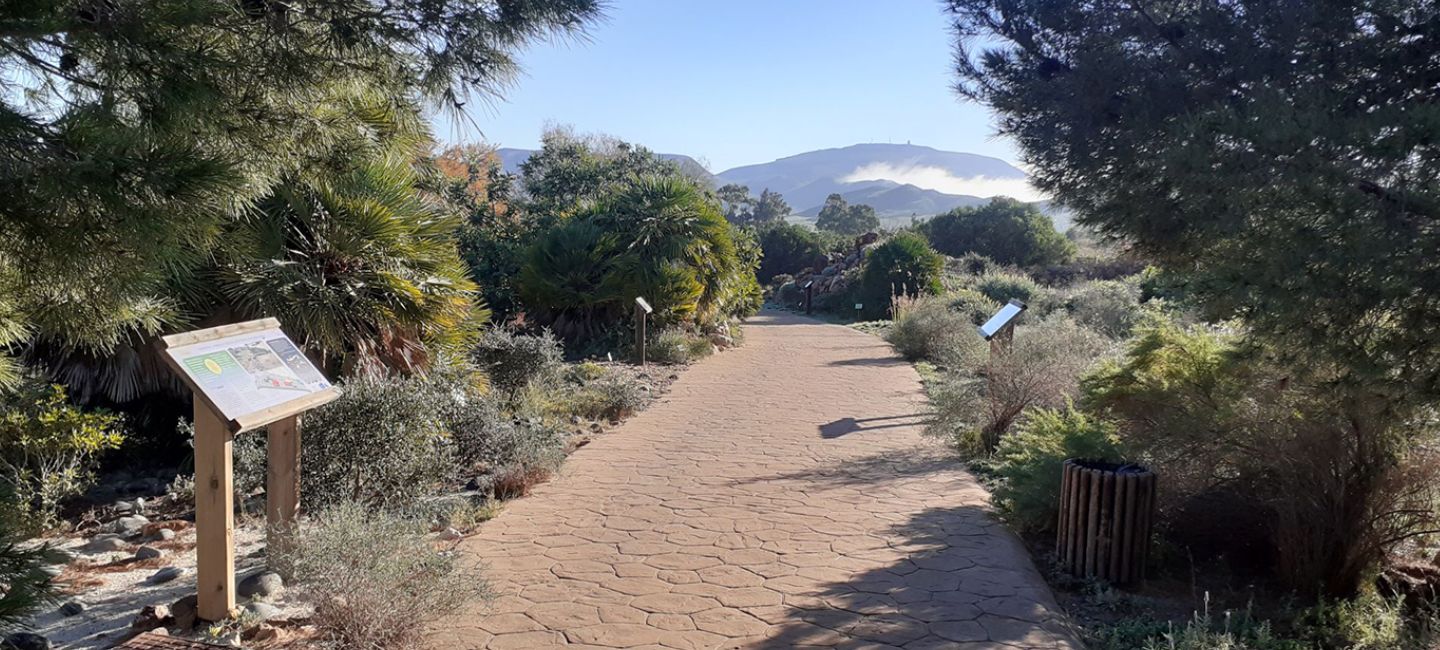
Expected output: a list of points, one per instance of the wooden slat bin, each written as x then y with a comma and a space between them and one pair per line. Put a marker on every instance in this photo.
1106, 512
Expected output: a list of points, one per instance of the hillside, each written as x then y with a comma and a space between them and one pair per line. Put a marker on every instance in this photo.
806, 179
891, 199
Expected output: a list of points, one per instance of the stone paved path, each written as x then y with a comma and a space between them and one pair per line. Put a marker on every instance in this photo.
780, 496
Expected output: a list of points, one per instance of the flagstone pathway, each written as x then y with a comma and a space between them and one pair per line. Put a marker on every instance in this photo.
779, 496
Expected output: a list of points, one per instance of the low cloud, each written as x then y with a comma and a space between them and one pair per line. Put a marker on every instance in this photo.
941, 180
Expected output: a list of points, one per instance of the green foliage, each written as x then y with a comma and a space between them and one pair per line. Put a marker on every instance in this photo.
903, 265
48, 449
1030, 459
383, 442
612, 396
514, 361
375, 577
485, 438
1339, 479
656, 237
838, 216
926, 328
356, 265
977, 403
974, 306
743, 209
27, 587
1111, 307
1207, 137
675, 346
788, 248
1004, 286
496, 231
1004, 230
137, 134
571, 170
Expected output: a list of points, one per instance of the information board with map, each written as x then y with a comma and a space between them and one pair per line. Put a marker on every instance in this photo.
249, 371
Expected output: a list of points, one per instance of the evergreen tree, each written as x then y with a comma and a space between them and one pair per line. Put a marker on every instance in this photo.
1004, 230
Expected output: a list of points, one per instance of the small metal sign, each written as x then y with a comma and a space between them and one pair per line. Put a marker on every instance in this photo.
1002, 318
859, 306
809, 284
643, 305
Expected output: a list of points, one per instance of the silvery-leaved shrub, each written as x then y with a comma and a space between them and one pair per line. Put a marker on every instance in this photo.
514, 360
375, 578
383, 441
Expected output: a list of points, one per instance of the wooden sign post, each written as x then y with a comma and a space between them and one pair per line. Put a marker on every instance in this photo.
243, 376
642, 312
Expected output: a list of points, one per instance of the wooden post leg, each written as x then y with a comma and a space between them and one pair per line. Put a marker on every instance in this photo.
282, 482
214, 512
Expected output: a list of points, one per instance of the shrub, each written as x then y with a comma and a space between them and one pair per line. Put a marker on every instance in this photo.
903, 265
1111, 307
788, 248
790, 295
375, 579
1339, 478
972, 263
613, 397
27, 588
674, 346
1005, 230
47, 451
1002, 286
514, 360
382, 442
926, 328
484, 437
1040, 370
974, 306
1029, 462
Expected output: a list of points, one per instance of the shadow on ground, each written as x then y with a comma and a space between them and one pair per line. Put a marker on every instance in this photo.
845, 426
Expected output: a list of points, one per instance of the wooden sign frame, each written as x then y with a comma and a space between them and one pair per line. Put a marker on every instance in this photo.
214, 470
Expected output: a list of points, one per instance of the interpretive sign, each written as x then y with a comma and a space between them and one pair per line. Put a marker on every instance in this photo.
1001, 319
247, 373
243, 376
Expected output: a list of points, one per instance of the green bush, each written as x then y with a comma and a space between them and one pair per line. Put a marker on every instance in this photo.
376, 580
926, 328
1111, 307
384, 441
514, 360
613, 397
483, 437
1041, 370
48, 450
974, 306
1002, 286
1029, 462
788, 248
674, 346
1005, 230
903, 265
973, 263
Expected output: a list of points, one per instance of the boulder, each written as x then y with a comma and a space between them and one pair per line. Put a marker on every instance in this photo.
164, 535
263, 585
166, 574
127, 526
184, 611
148, 553
72, 608
106, 543
262, 611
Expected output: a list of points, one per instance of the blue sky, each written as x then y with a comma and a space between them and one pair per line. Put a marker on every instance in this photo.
745, 81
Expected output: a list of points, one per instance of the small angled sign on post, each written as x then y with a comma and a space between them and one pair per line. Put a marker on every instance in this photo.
243, 376
642, 311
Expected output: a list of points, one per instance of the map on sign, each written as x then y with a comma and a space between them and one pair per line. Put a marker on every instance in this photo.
248, 372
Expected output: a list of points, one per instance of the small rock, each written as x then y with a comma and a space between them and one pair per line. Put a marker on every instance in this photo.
25, 641
184, 611
148, 553
262, 611
127, 526
479, 483
166, 574
596, 427
164, 534
106, 543
450, 534
72, 608
151, 617
123, 507
575, 419
263, 585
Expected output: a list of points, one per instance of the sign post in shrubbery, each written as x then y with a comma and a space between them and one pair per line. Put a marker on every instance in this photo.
642, 311
243, 376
